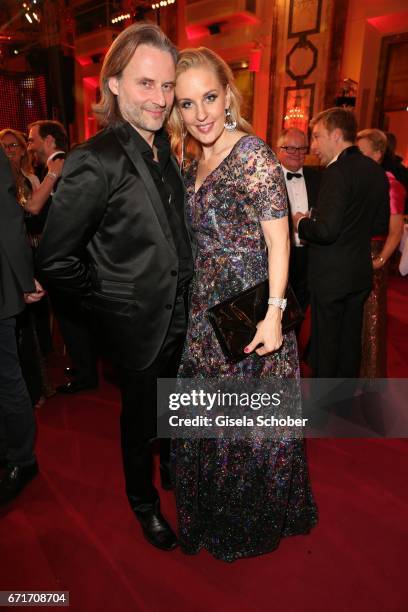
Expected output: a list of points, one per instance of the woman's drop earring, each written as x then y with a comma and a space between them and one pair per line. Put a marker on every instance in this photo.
229, 124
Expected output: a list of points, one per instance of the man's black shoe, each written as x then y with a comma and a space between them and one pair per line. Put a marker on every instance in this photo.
165, 479
74, 386
155, 528
71, 372
15, 479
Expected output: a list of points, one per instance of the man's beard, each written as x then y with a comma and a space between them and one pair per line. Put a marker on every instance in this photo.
138, 119
39, 158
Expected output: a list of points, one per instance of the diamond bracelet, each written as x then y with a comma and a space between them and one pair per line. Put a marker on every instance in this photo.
279, 302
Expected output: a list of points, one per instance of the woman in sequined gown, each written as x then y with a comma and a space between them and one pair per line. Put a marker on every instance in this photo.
235, 497
384, 241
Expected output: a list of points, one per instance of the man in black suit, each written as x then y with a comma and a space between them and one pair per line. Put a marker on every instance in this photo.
302, 186
116, 235
48, 141
17, 286
340, 267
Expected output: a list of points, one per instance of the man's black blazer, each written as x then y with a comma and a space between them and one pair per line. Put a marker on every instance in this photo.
60, 155
16, 262
339, 239
107, 237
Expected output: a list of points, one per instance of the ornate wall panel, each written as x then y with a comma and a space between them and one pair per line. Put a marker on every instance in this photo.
301, 62
309, 46
304, 17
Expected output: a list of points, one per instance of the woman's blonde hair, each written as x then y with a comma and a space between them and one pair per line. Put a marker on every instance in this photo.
25, 165
203, 58
376, 138
21, 172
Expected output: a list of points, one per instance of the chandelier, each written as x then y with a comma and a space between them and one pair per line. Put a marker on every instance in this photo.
162, 4
297, 112
294, 114
30, 8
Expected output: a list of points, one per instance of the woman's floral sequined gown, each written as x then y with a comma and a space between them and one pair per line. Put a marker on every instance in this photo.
237, 498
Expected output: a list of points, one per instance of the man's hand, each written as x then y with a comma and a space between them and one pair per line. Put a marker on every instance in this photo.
296, 218
36, 296
378, 263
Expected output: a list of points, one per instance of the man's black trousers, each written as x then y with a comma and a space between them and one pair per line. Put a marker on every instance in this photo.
138, 417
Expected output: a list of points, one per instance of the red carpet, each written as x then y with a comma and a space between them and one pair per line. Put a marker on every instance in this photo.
71, 529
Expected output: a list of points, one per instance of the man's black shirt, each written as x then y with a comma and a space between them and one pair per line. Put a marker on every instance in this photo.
170, 188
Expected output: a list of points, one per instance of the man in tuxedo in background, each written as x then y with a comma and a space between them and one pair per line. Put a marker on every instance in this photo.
17, 286
116, 235
340, 267
48, 141
302, 186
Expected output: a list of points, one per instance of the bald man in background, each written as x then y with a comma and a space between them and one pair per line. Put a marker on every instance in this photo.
302, 186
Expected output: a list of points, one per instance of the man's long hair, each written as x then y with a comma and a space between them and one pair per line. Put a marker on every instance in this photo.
117, 58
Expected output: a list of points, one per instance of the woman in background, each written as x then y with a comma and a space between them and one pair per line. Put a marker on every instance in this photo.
385, 239
235, 497
31, 194
15, 146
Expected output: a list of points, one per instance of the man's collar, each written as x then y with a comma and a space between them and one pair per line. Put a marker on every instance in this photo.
349, 150
333, 160
285, 170
54, 154
160, 141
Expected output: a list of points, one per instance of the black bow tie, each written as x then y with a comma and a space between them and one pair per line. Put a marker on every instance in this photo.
291, 175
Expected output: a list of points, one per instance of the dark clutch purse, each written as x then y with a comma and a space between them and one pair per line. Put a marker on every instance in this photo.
234, 320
